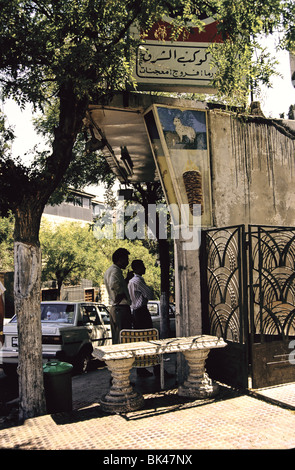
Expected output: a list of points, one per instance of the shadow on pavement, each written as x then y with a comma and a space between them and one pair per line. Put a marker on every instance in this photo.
156, 404
87, 390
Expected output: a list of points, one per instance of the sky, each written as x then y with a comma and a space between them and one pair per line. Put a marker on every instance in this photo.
21, 122
277, 100
274, 101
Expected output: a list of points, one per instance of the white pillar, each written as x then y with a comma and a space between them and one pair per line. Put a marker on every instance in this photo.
187, 291
188, 314
121, 397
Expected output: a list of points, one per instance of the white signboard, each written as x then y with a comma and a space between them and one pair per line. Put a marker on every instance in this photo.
174, 63
182, 65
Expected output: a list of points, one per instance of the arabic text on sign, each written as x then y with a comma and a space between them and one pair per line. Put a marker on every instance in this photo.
181, 62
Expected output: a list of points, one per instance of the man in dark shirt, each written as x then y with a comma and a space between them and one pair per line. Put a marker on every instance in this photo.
116, 285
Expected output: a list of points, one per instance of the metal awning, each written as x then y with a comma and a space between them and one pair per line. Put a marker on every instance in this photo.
126, 135
121, 123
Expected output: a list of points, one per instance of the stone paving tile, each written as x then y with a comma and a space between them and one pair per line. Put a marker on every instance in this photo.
240, 422
280, 394
232, 420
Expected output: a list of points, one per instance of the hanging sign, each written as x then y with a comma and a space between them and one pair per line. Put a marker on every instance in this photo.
179, 141
183, 65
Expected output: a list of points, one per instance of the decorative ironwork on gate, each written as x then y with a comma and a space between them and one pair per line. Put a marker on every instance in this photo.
225, 302
272, 282
225, 282
272, 303
250, 302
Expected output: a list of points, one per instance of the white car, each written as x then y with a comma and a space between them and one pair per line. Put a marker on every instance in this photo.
154, 307
70, 330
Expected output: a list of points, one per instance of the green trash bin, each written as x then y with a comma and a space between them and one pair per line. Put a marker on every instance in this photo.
58, 386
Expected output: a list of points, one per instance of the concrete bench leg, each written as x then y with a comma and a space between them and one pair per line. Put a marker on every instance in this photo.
198, 383
121, 397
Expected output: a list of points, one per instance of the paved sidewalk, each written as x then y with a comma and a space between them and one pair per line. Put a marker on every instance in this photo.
232, 420
282, 395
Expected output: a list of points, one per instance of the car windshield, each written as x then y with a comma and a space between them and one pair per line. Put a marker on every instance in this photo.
63, 313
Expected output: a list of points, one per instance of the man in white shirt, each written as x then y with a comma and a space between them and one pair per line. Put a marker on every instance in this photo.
140, 294
116, 285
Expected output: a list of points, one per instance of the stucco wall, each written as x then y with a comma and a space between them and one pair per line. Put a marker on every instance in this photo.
253, 171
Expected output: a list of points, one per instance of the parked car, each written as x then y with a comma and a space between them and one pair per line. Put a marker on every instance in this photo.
70, 330
154, 307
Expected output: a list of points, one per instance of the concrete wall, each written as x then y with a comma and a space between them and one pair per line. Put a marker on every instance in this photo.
253, 182
253, 170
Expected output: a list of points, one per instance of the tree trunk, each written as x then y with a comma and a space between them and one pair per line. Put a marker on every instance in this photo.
31, 194
27, 288
59, 284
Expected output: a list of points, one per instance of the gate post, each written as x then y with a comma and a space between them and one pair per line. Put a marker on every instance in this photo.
188, 315
187, 291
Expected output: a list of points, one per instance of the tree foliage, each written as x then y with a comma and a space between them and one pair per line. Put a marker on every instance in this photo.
6, 243
70, 252
242, 63
48, 44
87, 167
72, 53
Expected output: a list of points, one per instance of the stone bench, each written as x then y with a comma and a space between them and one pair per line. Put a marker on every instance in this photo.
119, 358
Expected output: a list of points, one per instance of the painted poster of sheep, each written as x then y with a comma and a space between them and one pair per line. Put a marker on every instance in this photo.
185, 135
183, 129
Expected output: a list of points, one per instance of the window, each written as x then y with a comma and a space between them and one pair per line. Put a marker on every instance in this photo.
90, 315
86, 202
63, 313
75, 200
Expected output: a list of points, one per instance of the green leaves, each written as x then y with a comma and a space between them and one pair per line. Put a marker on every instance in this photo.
45, 43
6, 243
241, 68
242, 64
71, 252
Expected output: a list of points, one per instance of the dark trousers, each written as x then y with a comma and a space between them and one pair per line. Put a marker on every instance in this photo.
120, 318
142, 318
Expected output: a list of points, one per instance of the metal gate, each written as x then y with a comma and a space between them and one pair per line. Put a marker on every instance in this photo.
250, 302
224, 296
272, 304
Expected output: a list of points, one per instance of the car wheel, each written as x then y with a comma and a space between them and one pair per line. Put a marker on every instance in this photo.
82, 362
